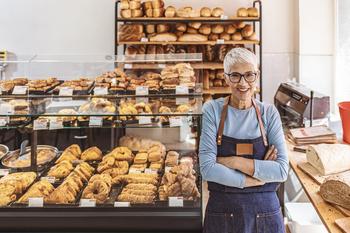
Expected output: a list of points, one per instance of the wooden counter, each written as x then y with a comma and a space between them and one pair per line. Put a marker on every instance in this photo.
328, 213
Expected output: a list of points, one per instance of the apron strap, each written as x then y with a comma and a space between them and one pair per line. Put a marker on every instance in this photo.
223, 118
261, 125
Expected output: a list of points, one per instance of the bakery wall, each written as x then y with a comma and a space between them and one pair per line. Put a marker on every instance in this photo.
87, 27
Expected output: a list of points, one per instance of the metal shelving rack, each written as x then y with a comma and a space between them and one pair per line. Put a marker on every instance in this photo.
257, 23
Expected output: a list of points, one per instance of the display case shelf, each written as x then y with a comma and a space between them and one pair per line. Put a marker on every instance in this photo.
230, 42
224, 19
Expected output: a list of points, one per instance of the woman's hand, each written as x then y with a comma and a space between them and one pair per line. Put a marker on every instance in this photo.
271, 153
251, 182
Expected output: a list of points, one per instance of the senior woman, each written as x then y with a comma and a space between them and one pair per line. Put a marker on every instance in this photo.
242, 154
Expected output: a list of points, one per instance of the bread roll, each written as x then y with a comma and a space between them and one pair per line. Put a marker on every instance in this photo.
192, 37
178, 33
192, 30
124, 4
126, 13
182, 27
161, 28
217, 83
170, 12
225, 36
149, 12
239, 25
252, 37
134, 5
205, 29
230, 29
247, 31
156, 4
150, 28
217, 28
147, 5
159, 12
195, 25
242, 12
206, 79
253, 12
217, 12
205, 12
164, 37
136, 13
213, 37
212, 75
237, 36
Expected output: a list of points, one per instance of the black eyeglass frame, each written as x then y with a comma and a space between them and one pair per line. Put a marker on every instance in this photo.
229, 75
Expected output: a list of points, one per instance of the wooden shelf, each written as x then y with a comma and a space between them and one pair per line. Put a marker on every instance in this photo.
187, 43
180, 19
197, 66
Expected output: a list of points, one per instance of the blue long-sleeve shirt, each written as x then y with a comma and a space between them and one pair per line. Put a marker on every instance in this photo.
241, 124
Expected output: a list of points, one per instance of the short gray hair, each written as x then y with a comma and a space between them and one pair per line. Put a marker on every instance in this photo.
239, 56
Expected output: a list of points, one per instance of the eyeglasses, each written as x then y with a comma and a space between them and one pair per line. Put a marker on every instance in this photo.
236, 77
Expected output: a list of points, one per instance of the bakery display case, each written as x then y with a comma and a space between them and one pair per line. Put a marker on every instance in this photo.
101, 147
153, 27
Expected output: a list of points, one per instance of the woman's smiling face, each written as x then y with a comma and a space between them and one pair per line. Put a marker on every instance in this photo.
242, 90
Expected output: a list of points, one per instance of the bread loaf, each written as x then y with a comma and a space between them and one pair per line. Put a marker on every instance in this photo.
220, 74
209, 53
133, 5
213, 37
242, 12
217, 12
205, 29
230, 29
164, 37
252, 37
195, 25
147, 5
192, 37
217, 83
150, 28
131, 32
237, 36
136, 13
336, 190
170, 12
161, 28
217, 29
187, 12
212, 75
225, 36
253, 12
158, 12
247, 31
239, 25
191, 49
182, 27
124, 4
149, 12
178, 34
156, 4
205, 12
126, 13
169, 49
206, 79
222, 52
192, 30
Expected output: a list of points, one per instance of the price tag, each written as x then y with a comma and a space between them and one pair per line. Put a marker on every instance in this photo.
141, 90
54, 124
100, 91
167, 169
35, 202
134, 171
40, 124
87, 203
121, 204
182, 90
220, 41
128, 66
144, 120
4, 121
182, 100
144, 39
114, 81
4, 172
95, 121
19, 90
49, 179
223, 17
175, 121
0, 91
176, 202
66, 91
151, 171
141, 100
162, 66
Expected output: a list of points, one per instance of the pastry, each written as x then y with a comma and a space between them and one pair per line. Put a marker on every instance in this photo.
253, 12
61, 170
205, 29
141, 158
92, 153
247, 31
205, 12
98, 188
237, 36
217, 28
171, 158
164, 37
217, 12
192, 37
170, 12
242, 12
40, 189
121, 153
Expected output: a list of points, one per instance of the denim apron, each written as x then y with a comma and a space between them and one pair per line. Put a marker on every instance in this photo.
247, 210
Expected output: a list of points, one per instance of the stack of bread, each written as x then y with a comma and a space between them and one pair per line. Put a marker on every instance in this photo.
131, 8
154, 8
130, 107
98, 188
13, 185
116, 162
152, 80
42, 84
41, 188
154, 156
172, 159
137, 143
179, 74
97, 106
115, 80
67, 192
179, 181
81, 84
139, 189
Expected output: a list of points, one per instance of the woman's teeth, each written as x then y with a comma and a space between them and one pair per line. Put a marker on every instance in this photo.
243, 89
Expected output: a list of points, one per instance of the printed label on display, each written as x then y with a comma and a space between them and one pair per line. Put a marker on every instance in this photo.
40, 124
223, 17
19, 90
4, 172
167, 169
181, 90
4, 121
49, 179
220, 41
128, 66
54, 124
175, 121
95, 121
87, 203
121, 204
176, 202
35, 202
66, 91
100, 91
162, 66
141, 100
151, 171
144, 120
134, 171
141, 90
144, 39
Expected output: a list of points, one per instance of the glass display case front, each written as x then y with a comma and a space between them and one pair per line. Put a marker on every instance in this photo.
101, 143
